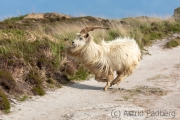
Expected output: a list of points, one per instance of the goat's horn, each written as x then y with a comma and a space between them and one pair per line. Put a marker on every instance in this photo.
91, 28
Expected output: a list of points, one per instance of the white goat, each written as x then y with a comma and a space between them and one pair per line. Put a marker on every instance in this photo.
120, 55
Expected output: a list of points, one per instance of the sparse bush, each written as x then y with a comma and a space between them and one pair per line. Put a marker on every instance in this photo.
175, 27
6, 81
22, 98
50, 81
38, 90
172, 43
4, 103
81, 74
34, 78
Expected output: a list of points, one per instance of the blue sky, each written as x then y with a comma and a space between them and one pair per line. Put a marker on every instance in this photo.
99, 8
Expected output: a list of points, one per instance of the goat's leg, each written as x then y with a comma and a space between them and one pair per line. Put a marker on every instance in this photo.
126, 73
117, 80
110, 77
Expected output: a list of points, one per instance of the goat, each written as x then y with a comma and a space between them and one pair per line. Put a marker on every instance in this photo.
121, 55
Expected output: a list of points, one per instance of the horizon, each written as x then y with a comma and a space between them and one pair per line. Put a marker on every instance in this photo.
117, 9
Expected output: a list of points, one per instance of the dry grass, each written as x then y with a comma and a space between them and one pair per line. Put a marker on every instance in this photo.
41, 42
140, 90
34, 16
143, 29
157, 77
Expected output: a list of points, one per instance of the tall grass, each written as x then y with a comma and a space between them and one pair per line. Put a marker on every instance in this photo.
48, 41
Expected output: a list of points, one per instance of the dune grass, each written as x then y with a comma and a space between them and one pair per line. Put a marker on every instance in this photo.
41, 44
45, 42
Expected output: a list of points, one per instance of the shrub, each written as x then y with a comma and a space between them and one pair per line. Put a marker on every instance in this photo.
81, 74
50, 81
38, 90
4, 103
34, 78
22, 98
172, 43
7, 81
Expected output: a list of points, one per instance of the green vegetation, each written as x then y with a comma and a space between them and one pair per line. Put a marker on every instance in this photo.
4, 103
50, 81
35, 79
37, 46
34, 51
6, 81
145, 29
42, 42
38, 90
113, 35
81, 74
14, 19
22, 98
173, 43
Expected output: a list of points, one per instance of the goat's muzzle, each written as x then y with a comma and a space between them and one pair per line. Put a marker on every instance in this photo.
73, 44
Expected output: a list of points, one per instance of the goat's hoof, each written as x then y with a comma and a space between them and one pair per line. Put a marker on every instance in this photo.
105, 88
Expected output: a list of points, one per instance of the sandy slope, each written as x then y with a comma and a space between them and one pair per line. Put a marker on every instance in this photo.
143, 94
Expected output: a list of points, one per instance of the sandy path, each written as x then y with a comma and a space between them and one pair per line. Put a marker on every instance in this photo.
87, 101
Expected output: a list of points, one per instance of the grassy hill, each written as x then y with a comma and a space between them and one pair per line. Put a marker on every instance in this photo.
32, 49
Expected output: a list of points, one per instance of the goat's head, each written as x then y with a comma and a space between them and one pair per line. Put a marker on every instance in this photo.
83, 37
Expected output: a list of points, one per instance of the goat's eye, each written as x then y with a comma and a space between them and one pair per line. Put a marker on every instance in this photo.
81, 38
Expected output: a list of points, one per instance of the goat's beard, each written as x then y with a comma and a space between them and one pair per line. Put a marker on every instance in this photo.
73, 51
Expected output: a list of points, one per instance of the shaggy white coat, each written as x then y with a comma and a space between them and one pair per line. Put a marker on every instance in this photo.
121, 55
